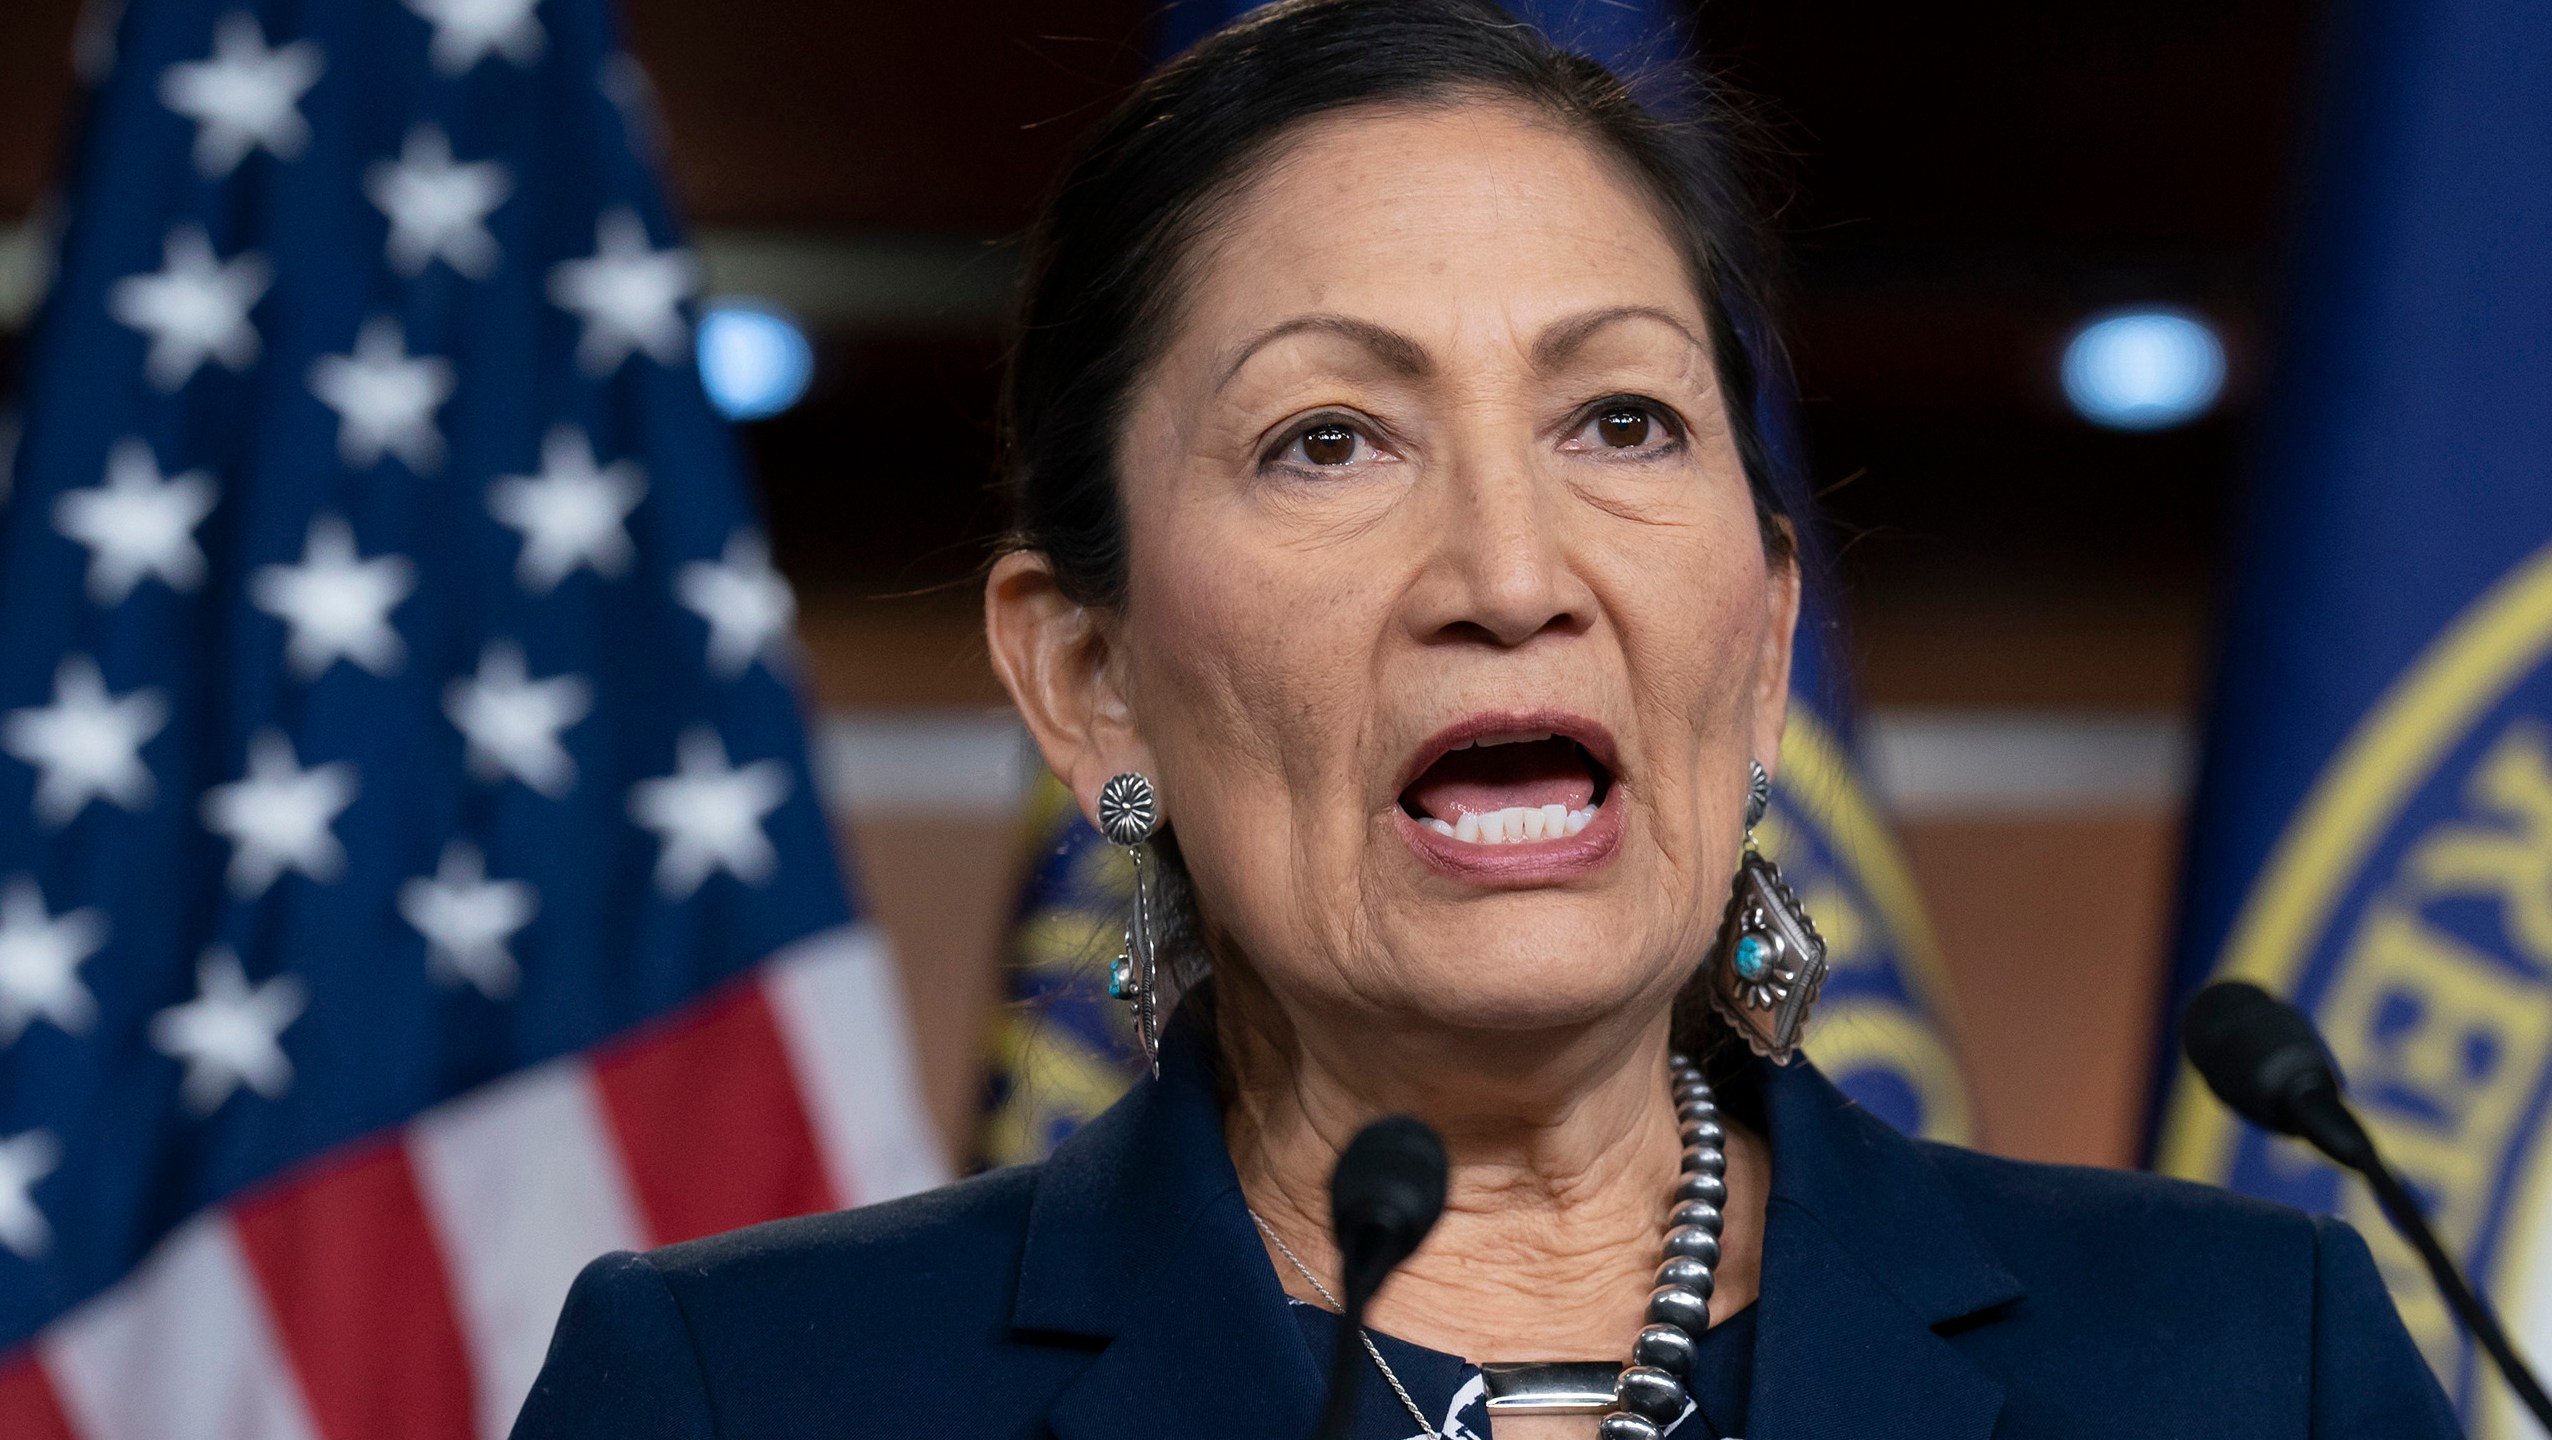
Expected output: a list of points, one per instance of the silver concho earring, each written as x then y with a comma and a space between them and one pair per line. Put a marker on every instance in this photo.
1129, 815
1769, 962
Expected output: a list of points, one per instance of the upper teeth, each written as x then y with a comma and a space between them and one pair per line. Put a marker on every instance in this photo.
1513, 825
1519, 737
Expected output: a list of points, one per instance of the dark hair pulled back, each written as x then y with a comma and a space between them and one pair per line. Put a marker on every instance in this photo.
1108, 259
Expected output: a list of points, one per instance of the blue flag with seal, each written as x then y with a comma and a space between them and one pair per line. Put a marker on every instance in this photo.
2373, 835
1063, 1051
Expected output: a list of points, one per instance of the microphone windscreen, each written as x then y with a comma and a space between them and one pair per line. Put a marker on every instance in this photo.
2254, 1051
1384, 1197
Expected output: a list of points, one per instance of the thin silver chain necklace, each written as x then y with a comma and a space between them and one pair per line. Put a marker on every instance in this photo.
1650, 1393
1365, 1335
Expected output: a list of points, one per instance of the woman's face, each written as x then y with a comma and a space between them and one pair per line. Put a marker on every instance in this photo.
1450, 629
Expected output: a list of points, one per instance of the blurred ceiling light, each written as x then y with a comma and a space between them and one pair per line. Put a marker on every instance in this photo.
754, 360
2148, 368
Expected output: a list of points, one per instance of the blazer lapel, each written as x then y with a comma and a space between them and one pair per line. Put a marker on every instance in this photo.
1139, 1244
1138, 1236
1213, 1352
1866, 1253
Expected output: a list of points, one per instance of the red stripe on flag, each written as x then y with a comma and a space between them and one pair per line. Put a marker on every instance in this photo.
709, 1118
349, 1264
28, 1409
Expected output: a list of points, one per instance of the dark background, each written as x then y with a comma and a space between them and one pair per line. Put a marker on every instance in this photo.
1958, 184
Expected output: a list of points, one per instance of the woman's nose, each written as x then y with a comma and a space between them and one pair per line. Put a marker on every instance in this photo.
1498, 569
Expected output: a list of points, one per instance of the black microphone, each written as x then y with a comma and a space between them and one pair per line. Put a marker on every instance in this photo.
2263, 1059
1384, 1197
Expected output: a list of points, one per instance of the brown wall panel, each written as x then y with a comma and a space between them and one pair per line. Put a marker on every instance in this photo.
942, 891
35, 97
2054, 931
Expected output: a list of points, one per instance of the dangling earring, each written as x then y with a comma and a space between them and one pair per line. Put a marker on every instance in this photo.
1128, 816
1769, 962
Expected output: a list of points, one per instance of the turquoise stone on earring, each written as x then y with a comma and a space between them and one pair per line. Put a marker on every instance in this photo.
1121, 978
1753, 957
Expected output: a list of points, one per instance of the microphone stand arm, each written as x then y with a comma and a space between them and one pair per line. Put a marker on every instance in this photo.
2470, 1308
1345, 1367
2323, 1118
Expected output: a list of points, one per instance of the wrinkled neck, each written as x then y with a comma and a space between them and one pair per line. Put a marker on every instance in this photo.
1562, 1149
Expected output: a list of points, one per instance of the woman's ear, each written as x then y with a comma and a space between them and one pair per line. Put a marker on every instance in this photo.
1057, 660
1782, 585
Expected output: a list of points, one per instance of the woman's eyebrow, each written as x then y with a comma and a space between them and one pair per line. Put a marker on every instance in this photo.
1393, 349
1562, 338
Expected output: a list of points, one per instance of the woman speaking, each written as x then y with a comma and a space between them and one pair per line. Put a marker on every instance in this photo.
1396, 570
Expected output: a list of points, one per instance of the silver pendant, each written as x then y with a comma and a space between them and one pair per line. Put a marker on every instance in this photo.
1769, 962
1135, 977
1550, 1387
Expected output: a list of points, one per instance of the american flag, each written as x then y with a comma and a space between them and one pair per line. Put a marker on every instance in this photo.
411, 884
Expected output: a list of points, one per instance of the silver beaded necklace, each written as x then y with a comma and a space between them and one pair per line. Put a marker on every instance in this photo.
1648, 1395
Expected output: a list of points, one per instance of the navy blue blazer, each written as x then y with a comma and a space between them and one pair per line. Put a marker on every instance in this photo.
1119, 1292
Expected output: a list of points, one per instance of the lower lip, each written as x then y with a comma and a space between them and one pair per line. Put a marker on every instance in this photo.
1530, 862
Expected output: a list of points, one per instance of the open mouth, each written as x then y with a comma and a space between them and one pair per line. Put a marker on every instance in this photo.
1512, 788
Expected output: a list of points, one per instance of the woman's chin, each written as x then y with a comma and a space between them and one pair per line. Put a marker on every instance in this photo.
1525, 977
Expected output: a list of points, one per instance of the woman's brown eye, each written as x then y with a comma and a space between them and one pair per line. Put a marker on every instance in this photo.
1329, 445
1623, 428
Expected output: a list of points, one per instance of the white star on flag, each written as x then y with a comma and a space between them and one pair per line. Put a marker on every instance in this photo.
278, 816
194, 307
137, 524
40, 958
87, 744
245, 96
25, 1159
231, 1033
469, 921
337, 606
629, 295
512, 722
709, 815
468, 31
747, 604
384, 398
438, 208
570, 514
